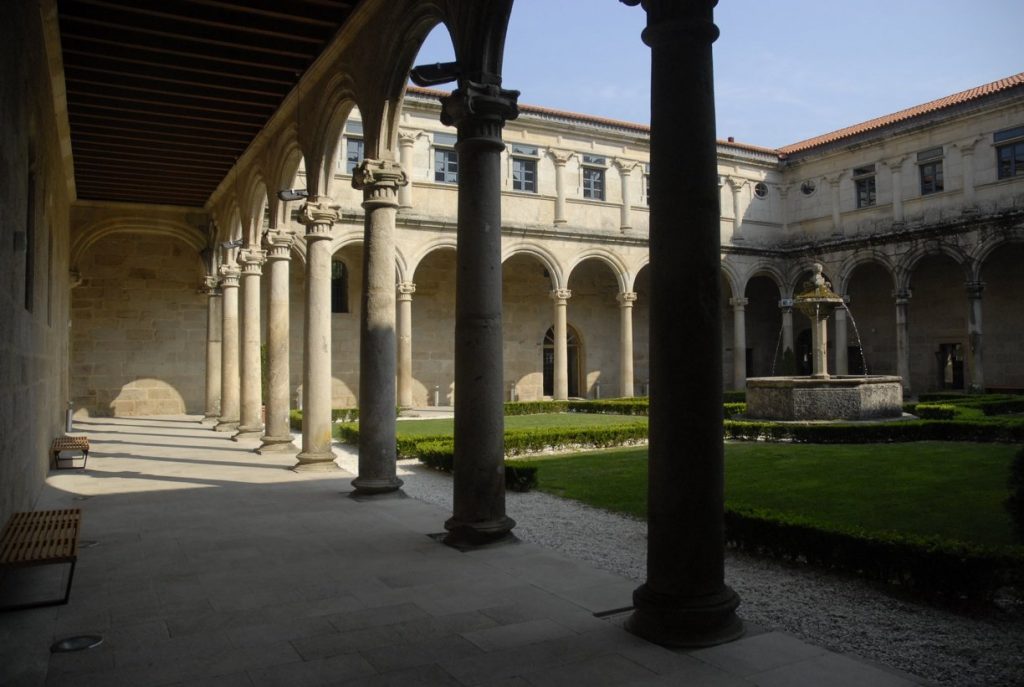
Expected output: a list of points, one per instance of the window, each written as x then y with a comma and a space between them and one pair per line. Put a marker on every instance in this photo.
929, 162
446, 160
761, 189
1009, 152
524, 168
593, 177
647, 182
339, 287
864, 183
354, 149
808, 187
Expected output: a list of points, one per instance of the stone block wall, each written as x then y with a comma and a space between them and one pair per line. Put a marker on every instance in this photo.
138, 328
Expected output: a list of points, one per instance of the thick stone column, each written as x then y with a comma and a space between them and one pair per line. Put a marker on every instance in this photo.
896, 169
626, 300
479, 111
229, 380
405, 292
379, 181
214, 315
251, 424
739, 343
560, 392
278, 435
684, 601
974, 336
406, 142
560, 157
903, 338
842, 341
626, 168
786, 306
316, 454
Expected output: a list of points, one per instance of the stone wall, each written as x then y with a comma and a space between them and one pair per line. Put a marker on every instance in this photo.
34, 201
138, 328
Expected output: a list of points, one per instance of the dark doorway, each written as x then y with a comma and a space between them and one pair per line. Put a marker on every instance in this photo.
950, 359
804, 362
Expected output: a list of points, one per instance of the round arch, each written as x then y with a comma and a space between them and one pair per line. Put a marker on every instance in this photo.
541, 254
151, 226
613, 261
850, 265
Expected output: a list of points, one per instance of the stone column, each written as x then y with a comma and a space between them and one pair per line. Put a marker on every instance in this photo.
406, 142
229, 380
278, 435
479, 112
786, 305
896, 169
316, 454
739, 343
214, 315
974, 336
736, 186
626, 168
251, 424
837, 220
842, 341
626, 300
560, 157
379, 181
561, 374
903, 338
684, 601
405, 292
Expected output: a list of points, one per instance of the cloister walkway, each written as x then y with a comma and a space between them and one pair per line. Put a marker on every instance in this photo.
205, 563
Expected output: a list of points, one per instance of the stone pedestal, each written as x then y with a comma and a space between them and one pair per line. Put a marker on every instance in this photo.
316, 455
479, 112
251, 423
278, 435
835, 398
379, 181
229, 376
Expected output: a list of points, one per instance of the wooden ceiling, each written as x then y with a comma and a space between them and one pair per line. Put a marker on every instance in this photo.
164, 95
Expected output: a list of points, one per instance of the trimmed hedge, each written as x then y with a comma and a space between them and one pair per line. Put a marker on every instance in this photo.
935, 411
1002, 407
337, 415
734, 396
612, 406
923, 564
1006, 430
536, 407
730, 410
440, 455
1015, 502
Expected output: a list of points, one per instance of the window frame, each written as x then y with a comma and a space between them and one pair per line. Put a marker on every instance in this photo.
865, 186
931, 159
596, 165
1011, 141
527, 156
445, 153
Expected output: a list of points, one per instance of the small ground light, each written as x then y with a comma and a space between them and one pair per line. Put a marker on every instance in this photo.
78, 643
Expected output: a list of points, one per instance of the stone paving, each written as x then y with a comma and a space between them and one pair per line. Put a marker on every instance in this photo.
204, 563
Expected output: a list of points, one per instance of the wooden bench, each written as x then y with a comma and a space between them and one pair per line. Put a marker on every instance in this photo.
42, 537
69, 444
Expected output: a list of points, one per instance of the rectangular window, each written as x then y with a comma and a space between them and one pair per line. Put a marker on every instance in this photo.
446, 166
593, 183
929, 163
524, 174
1009, 152
864, 184
647, 182
354, 153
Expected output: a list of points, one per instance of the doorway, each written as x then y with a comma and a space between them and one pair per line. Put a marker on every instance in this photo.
950, 360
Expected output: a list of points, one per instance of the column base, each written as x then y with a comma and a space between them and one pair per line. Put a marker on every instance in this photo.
282, 444
680, 621
245, 432
210, 420
471, 535
369, 486
315, 462
226, 426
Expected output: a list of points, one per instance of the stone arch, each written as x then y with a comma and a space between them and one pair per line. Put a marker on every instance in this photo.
905, 267
90, 234
732, 278
440, 243
763, 268
613, 261
984, 249
858, 259
543, 255
638, 267
335, 101
283, 166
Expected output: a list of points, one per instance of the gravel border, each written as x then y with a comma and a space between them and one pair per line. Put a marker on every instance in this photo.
838, 612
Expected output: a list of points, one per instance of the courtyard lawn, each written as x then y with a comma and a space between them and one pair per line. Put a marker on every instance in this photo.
431, 428
953, 490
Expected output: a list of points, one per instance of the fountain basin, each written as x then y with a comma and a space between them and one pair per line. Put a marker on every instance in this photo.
842, 397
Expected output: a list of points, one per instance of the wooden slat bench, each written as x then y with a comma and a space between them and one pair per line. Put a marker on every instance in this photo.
69, 444
42, 537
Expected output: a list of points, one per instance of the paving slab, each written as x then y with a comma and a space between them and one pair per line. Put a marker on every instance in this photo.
207, 563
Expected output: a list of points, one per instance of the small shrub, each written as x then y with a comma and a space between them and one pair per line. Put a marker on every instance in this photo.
535, 407
732, 409
612, 406
1015, 503
935, 411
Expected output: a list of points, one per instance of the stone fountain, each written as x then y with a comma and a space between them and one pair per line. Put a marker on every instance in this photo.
822, 396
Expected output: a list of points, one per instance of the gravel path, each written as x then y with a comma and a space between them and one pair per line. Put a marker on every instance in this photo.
840, 613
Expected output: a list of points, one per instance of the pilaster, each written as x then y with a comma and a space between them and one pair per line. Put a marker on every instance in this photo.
560, 158
626, 168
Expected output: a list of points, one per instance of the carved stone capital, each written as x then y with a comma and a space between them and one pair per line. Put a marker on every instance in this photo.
379, 180
833, 179
560, 296
736, 184
895, 164
624, 166
252, 260
967, 145
479, 111
279, 245
560, 156
786, 304
210, 286
405, 290
902, 296
229, 276
318, 215
783, 189
626, 298
738, 303
974, 289
407, 137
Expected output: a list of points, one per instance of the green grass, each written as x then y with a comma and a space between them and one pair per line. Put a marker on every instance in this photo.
954, 490
429, 428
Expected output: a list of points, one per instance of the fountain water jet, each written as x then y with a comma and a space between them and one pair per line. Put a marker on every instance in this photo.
822, 396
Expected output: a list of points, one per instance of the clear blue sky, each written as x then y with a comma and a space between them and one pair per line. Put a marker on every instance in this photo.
785, 70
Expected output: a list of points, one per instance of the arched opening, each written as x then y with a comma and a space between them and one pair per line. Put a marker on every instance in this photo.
574, 351
594, 309
764, 353
872, 340
937, 325
1002, 325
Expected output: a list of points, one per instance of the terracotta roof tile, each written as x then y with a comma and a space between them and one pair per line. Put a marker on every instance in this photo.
909, 113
